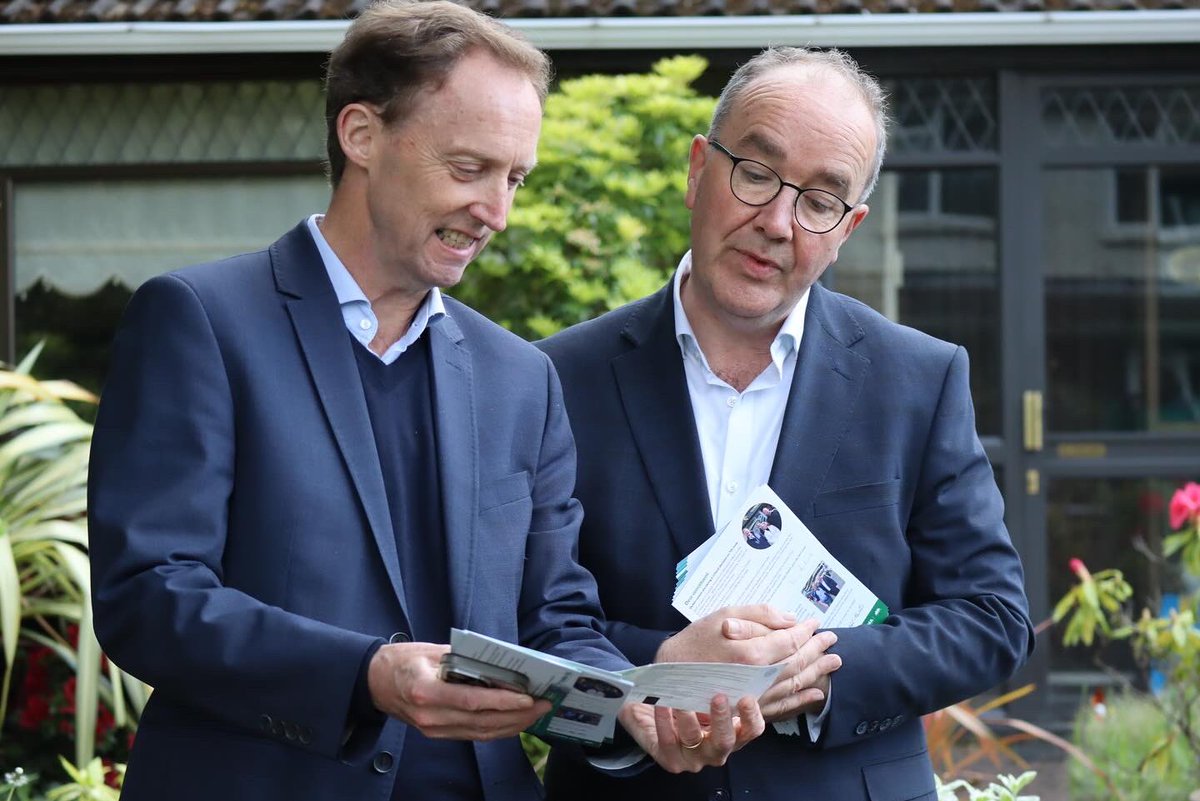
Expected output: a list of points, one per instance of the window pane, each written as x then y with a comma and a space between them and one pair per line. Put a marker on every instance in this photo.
933, 265
73, 280
1122, 309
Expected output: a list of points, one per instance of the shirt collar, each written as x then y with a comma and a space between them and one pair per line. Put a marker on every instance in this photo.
349, 292
786, 342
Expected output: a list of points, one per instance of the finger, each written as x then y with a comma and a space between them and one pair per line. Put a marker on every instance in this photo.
770, 616
482, 699
667, 748
783, 643
750, 720
722, 737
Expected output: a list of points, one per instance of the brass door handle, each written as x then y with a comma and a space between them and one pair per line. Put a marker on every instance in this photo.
1031, 402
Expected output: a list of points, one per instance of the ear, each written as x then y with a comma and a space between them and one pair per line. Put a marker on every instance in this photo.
357, 127
857, 215
855, 218
697, 158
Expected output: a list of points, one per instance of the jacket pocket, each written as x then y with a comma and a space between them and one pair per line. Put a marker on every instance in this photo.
905, 779
853, 499
504, 490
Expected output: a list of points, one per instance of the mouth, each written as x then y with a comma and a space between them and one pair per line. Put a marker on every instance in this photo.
759, 263
456, 239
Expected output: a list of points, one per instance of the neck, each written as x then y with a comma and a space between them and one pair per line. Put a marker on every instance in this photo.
347, 229
738, 350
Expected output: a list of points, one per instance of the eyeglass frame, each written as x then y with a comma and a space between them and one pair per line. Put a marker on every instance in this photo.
800, 190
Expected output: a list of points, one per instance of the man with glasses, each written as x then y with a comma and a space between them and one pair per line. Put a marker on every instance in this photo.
744, 370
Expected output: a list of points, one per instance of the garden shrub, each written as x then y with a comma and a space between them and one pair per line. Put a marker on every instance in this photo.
1131, 742
601, 221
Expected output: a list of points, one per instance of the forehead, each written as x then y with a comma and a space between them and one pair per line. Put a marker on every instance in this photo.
484, 104
805, 118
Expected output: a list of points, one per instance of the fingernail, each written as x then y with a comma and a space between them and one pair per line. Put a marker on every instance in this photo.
789, 616
733, 627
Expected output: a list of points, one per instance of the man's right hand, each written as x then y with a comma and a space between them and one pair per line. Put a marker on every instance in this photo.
404, 683
747, 635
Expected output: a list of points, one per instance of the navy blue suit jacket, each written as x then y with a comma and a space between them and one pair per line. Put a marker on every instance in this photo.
878, 455
243, 556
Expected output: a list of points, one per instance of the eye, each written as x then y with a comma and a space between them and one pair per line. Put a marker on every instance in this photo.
756, 173
466, 170
516, 181
820, 202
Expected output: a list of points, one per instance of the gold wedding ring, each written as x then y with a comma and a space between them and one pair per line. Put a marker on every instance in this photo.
698, 743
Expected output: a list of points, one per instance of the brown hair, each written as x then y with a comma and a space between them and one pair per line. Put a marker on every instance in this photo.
397, 48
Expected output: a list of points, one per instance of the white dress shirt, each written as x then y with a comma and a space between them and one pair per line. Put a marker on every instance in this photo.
739, 431
357, 313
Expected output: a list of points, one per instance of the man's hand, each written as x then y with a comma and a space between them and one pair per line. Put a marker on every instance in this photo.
404, 683
747, 635
679, 742
803, 684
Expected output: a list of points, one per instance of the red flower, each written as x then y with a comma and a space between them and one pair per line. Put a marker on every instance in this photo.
111, 777
1185, 505
35, 712
104, 722
1079, 568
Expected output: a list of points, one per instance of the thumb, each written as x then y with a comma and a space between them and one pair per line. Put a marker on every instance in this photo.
734, 628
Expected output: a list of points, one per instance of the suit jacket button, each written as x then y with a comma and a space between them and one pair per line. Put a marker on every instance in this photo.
399, 637
382, 762
874, 727
719, 794
861, 728
896, 721
277, 728
885, 724
290, 730
305, 735
265, 722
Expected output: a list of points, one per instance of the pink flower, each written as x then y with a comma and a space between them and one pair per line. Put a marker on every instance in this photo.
1077, 567
1185, 505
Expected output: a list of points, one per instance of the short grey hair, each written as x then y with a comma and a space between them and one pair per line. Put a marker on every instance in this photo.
837, 62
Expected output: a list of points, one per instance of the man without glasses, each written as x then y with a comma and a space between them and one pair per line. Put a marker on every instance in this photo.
308, 465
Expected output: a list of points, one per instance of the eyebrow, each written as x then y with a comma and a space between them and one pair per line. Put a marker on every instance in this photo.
769, 149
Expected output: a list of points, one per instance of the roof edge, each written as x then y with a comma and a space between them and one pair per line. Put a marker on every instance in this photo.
1024, 28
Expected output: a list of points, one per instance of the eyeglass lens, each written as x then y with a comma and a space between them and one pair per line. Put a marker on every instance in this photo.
757, 185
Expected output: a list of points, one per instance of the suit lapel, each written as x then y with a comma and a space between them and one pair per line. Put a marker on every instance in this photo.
829, 376
313, 308
457, 447
654, 394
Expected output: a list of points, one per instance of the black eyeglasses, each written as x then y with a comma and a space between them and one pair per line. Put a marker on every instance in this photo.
756, 184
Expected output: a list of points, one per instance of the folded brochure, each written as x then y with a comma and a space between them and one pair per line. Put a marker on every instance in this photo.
586, 699
768, 556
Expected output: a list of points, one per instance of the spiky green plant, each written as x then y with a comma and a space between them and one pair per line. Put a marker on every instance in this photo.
44, 571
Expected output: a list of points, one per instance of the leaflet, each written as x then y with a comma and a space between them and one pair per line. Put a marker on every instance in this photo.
772, 558
587, 699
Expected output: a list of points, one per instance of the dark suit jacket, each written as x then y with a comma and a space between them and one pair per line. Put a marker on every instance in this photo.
242, 550
879, 457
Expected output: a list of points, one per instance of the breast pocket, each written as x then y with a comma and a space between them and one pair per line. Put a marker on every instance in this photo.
504, 491
858, 498
505, 514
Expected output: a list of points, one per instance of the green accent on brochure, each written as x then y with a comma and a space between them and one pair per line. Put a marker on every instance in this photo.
878, 614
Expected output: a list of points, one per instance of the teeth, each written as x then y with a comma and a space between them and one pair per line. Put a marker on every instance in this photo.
455, 239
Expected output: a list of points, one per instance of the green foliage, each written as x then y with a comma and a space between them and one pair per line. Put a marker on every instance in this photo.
601, 221
1137, 743
1005, 788
44, 572
1154, 730
1090, 605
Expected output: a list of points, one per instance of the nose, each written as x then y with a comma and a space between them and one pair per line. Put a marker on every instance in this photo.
493, 205
775, 219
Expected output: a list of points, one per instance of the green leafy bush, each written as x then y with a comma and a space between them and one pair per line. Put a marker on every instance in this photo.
601, 221
1133, 741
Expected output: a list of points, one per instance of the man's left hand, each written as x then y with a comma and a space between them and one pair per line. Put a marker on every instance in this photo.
681, 743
